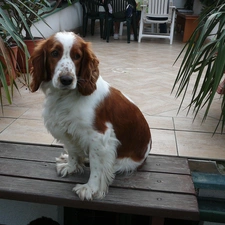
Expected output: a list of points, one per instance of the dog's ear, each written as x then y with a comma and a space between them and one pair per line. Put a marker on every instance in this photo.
89, 72
38, 66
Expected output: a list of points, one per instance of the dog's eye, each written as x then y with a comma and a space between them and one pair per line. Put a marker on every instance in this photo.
77, 56
54, 53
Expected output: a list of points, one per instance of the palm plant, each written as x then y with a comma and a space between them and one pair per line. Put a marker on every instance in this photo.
8, 33
16, 19
24, 13
204, 61
6, 66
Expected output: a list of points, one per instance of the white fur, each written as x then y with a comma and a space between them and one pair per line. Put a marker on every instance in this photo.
65, 64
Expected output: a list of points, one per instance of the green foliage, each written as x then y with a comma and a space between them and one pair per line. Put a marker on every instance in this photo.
8, 35
16, 19
206, 58
23, 13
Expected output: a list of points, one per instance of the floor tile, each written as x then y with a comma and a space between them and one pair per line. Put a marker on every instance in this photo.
201, 145
27, 131
32, 113
5, 122
163, 142
13, 111
160, 122
188, 124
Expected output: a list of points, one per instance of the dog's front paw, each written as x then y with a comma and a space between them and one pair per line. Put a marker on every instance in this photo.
63, 169
63, 158
65, 166
86, 192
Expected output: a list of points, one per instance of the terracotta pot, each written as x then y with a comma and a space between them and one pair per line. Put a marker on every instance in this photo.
31, 44
13, 55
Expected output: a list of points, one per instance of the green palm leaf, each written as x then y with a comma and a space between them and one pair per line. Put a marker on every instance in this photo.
204, 61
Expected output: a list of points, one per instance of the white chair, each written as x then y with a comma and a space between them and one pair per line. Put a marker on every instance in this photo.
155, 12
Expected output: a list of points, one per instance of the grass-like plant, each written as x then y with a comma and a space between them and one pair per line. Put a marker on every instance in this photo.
8, 34
204, 61
16, 19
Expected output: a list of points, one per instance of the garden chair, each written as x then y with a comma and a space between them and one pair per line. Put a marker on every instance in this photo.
122, 11
155, 12
91, 11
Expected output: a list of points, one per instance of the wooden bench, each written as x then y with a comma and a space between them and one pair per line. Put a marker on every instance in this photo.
162, 188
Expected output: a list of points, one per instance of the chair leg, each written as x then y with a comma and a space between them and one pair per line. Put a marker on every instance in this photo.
121, 29
108, 28
92, 27
128, 29
105, 24
101, 28
140, 30
85, 22
102, 15
134, 26
172, 28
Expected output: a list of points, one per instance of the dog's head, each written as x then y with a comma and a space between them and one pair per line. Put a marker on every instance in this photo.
67, 61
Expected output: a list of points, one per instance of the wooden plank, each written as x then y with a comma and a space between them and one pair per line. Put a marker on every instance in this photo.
29, 152
43, 153
117, 200
166, 164
138, 180
156, 181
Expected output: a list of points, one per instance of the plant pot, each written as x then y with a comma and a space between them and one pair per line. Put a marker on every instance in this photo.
21, 59
13, 51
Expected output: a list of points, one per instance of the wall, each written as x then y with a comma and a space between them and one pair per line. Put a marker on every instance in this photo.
196, 7
179, 3
69, 18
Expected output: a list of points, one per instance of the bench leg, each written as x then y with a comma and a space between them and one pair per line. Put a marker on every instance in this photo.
157, 221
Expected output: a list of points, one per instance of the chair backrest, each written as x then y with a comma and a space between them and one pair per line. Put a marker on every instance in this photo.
91, 7
119, 6
158, 8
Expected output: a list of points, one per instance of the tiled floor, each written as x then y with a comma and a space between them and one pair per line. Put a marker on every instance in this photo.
145, 72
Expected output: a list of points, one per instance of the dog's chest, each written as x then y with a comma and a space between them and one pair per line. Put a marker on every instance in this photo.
67, 114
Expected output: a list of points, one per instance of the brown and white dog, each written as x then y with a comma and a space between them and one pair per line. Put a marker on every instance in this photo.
91, 118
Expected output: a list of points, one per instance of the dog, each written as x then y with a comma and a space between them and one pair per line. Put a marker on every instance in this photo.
91, 118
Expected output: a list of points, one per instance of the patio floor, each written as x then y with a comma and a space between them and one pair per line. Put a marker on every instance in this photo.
145, 72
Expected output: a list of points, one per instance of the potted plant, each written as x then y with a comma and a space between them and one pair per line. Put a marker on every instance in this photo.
16, 19
7, 70
204, 60
24, 13
8, 36
8, 57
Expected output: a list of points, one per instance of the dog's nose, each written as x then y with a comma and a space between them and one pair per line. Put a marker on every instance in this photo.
66, 80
